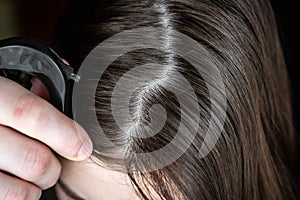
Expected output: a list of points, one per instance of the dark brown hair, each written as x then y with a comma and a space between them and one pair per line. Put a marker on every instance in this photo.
255, 153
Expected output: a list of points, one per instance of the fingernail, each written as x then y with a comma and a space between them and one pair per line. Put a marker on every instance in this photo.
87, 146
85, 150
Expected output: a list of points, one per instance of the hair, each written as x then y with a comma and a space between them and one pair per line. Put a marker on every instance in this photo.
254, 156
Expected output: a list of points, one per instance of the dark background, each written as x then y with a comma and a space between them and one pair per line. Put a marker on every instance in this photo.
37, 18
287, 17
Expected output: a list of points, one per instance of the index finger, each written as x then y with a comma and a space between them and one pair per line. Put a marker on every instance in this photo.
36, 118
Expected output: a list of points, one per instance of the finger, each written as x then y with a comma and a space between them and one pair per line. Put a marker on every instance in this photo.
35, 117
28, 159
14, 188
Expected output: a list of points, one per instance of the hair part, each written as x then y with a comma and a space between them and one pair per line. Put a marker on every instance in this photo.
255, 153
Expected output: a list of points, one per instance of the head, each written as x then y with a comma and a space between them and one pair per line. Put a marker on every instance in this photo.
253, 155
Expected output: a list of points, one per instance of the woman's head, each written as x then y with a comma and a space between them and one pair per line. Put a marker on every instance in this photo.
252, 156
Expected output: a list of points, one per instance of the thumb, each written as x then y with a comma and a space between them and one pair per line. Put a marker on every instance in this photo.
39, 89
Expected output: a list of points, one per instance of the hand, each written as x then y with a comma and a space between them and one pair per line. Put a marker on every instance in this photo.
29, 127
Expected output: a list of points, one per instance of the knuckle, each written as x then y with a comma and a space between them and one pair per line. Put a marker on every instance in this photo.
29, 107
36, 160
18, 191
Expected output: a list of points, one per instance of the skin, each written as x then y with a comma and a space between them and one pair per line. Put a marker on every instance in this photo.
26, 154
90, 181
30, 128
